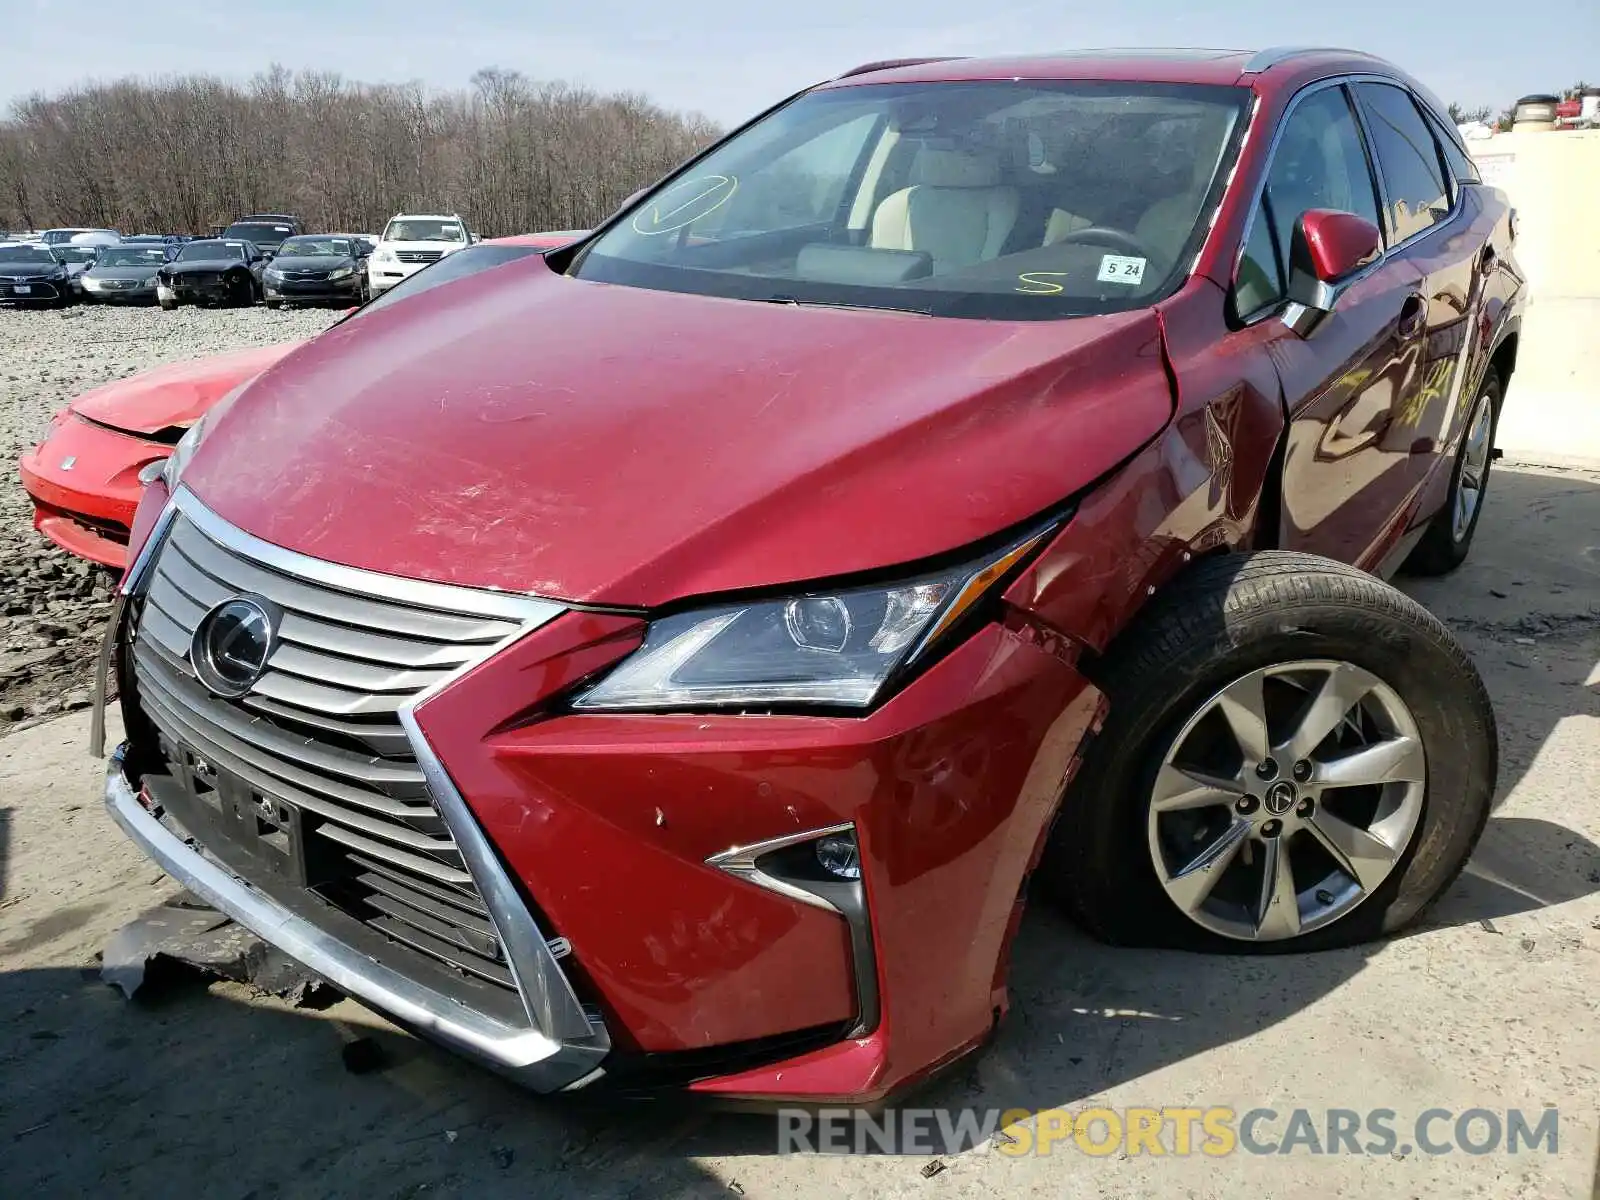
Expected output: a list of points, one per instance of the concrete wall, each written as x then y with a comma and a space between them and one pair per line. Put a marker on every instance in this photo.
1552, 411
1553, 179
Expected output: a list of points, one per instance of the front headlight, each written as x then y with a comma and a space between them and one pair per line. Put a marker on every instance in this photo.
274, 276
342, 273
385, 256
836, 648
90, 282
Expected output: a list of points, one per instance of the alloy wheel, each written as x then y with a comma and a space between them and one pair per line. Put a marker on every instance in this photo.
1474, 468
1286, 800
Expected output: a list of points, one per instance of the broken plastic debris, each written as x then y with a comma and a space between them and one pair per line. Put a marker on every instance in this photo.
189, 932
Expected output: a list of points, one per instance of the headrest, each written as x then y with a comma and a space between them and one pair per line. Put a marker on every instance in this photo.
956, 168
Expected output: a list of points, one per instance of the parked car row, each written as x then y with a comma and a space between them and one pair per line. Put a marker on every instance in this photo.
262, 257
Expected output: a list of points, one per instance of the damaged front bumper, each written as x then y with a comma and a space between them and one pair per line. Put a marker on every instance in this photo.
525, 1054
648, 843
534, 1039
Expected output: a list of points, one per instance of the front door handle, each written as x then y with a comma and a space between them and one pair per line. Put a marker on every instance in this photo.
1488, 261
1413, 315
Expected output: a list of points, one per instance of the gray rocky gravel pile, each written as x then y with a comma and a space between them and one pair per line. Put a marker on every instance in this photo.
52, 606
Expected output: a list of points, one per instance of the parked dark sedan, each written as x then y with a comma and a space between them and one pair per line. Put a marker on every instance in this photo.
213, 271
32, 274
315, 267
266, 230
125, 273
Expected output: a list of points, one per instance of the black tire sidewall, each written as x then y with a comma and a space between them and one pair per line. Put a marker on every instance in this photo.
1109, 804
1488, 393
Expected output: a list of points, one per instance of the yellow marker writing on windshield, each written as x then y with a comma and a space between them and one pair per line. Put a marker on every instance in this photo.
659, 221
1035, 284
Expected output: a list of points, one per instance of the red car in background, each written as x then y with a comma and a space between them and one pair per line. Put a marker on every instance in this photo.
678, 658
84, 476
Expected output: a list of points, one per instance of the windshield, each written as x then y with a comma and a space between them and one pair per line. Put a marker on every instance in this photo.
53, 236
27, 254
205, 250
298, 247
260, 234
452, 266
1008, 200
424, 229
77, 254
132, 256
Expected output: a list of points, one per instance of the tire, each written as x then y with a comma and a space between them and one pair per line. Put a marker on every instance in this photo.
241, 292
274, 302
1227, 619
1444, 546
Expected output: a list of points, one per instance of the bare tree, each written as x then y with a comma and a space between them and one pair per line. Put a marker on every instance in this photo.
183, 153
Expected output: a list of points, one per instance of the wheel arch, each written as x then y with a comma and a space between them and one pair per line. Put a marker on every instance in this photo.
1503, 358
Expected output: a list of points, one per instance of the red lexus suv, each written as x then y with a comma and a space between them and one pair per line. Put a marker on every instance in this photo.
672, 659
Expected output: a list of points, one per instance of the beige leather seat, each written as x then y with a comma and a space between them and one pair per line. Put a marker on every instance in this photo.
1166, 225
956, 209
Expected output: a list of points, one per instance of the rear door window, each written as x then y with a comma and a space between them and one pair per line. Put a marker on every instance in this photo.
1408, 158
1458, 160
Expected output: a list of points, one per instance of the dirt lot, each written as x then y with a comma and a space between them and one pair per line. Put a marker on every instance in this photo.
1493, 1003
51, 605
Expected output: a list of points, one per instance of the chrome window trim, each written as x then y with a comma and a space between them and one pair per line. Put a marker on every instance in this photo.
1344, 80
1251, 123
552, 1006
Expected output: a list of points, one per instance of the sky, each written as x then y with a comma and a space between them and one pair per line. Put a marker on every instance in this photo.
731, 58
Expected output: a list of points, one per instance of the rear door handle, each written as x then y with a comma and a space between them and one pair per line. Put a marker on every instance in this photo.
1413, 315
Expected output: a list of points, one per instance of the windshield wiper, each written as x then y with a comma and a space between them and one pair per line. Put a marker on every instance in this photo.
796, 302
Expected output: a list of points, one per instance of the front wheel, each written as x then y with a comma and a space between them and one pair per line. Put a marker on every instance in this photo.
1297, 757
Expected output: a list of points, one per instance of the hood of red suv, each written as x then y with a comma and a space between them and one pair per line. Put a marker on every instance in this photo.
525, 430
176, 395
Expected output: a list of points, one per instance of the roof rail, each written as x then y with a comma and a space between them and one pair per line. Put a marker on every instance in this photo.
886, 64
1272, 56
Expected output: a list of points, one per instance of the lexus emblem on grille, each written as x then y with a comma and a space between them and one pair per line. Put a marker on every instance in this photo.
232, 644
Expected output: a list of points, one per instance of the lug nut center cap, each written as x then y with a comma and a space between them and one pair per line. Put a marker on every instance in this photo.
1280, 798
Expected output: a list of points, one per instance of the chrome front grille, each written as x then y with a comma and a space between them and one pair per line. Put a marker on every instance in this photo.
321, 731
419, 256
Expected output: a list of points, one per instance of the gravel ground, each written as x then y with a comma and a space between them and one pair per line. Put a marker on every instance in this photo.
52, 606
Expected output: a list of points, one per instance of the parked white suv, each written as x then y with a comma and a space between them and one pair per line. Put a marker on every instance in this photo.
410, 241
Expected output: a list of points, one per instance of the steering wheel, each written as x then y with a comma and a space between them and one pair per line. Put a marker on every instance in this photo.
1105, 235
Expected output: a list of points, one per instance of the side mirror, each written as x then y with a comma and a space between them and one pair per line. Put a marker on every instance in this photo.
1328, 248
